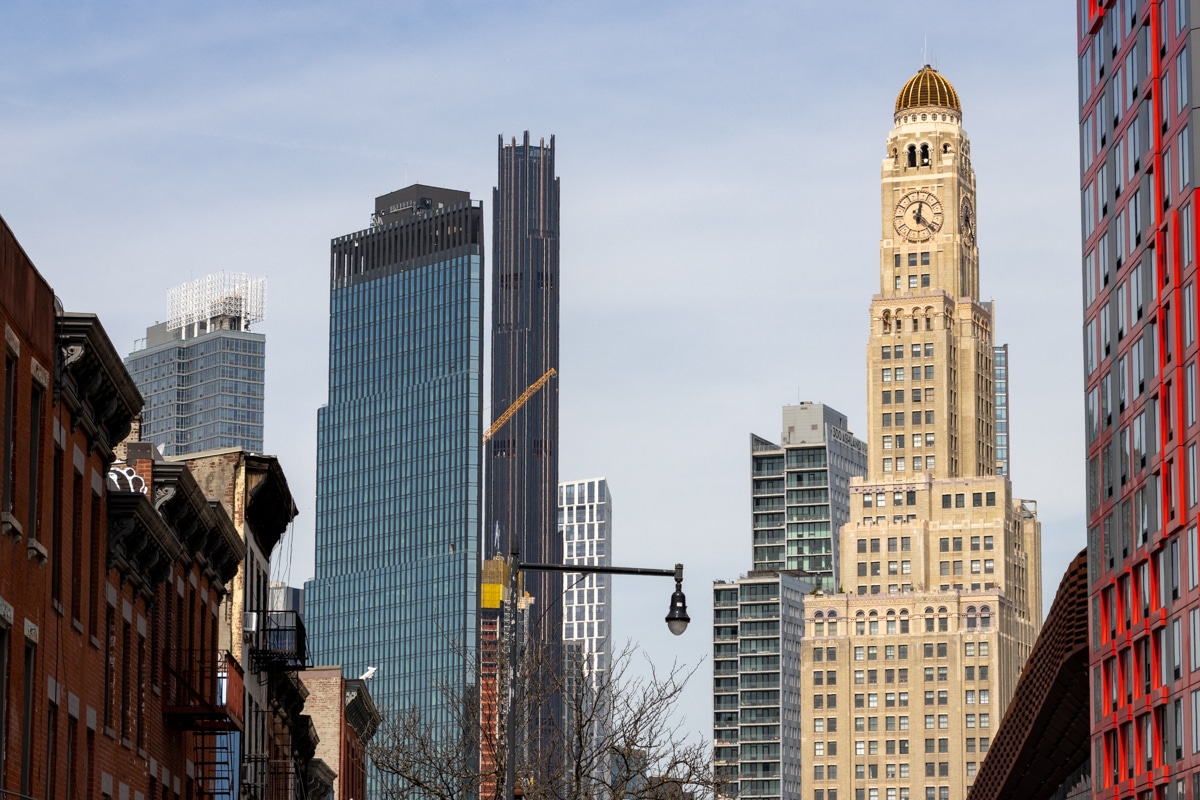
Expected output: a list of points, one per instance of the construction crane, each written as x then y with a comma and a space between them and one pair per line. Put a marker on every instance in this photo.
503, 419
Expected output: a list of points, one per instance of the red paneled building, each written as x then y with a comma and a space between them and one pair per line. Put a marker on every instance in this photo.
1138, 155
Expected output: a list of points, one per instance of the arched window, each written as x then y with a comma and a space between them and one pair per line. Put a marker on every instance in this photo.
887, 322
912, 155
820, 615
946, 147
971, 618
832, 617
924, 155
985, 618
904, 620
891, 621
860, 624
943, 620
929, 620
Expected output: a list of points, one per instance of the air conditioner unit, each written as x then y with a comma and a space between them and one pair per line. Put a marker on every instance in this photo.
249, 621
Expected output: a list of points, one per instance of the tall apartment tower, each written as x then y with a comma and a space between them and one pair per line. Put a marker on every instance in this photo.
757, 624
523, 464
801, 492
398, 467
585, 523
1137, 81
202, 370
940, 563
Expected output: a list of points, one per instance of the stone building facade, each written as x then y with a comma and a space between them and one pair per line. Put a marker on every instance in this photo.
940, 599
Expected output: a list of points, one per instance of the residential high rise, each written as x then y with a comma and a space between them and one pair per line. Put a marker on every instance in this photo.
398, 470
940, 562
801, 491
1137, 170
202, 371
585, 524
585, 520
757, 624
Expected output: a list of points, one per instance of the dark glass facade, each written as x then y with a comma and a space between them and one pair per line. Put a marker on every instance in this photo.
398, 453
523, 465
202, 393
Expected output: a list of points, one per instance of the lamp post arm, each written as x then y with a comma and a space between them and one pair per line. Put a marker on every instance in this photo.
669, 573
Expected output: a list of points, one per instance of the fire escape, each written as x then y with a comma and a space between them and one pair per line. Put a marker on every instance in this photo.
203, 694
277, 649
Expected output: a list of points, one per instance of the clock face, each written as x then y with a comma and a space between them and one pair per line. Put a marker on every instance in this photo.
918, 216
966, 217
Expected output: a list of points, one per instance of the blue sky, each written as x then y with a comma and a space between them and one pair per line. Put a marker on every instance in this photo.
720, 213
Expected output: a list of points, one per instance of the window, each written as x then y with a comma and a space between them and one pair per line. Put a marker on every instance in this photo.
36, 398
10, 431
27, 718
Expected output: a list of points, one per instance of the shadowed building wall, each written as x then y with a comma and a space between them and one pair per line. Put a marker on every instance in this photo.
523, 456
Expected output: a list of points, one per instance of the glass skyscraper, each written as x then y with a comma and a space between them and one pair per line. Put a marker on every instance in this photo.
398, 470
202, 370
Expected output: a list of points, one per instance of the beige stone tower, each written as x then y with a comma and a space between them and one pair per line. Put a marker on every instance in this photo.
910, 666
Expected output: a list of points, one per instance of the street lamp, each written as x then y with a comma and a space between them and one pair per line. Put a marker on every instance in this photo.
677, 616
677, 621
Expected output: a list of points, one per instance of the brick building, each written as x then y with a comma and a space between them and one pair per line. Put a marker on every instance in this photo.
346, 719
279, 740
109, 577
132, 597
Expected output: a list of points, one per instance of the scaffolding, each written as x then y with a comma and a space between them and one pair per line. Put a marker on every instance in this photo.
221, 294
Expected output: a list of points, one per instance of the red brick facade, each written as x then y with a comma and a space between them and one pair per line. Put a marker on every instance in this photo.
111, 682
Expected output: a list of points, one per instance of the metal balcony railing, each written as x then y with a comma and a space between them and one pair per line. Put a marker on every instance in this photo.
203, 690
280, 641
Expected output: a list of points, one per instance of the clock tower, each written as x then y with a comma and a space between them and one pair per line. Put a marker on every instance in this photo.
909, 666
930, 352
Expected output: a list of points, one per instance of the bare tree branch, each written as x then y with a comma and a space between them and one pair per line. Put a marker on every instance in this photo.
612, 735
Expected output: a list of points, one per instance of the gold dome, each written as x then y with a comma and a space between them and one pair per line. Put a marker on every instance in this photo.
927, 88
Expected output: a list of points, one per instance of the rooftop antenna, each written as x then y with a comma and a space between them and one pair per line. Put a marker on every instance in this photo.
925, 51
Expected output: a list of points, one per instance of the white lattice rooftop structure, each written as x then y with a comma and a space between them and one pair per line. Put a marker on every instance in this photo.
221, 294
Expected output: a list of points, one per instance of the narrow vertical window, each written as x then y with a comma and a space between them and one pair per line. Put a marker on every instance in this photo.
10, 431
71, 760
27, 718
36, 398
4, 646
126, 664
110, 635
52, 751
95, 570
56, 537
76, 546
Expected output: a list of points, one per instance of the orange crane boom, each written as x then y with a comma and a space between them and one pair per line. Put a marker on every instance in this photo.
503, 419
